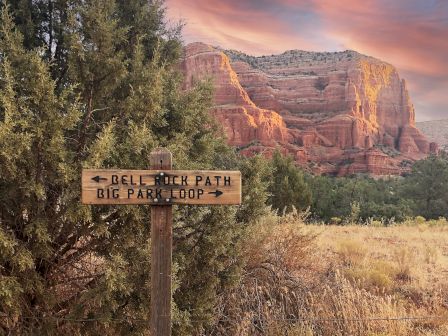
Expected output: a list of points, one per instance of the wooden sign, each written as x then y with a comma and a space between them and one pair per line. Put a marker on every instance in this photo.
159, 187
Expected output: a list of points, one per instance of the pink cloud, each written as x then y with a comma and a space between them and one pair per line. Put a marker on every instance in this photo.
253, 30
410, 34
414, 40
403, 37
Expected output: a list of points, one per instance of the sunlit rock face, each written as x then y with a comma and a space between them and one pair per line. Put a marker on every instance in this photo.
336, 113
242, 120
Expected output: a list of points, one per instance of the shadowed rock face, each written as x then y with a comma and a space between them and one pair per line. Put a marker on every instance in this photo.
336, 113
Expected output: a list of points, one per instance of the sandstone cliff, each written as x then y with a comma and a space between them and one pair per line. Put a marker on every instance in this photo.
336, 113
435, 130
242, 120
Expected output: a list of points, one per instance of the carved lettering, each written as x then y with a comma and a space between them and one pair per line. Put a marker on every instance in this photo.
117, 186
158, 193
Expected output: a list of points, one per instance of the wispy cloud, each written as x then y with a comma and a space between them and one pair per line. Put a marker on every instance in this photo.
257, 27
411, 34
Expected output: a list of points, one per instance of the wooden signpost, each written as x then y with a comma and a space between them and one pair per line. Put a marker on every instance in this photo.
160, 187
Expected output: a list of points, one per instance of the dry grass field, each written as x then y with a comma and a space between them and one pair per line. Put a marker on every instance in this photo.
341, 280
413, 256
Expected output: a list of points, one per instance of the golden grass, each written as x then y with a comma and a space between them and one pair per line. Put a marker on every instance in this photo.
312, 280
418, 253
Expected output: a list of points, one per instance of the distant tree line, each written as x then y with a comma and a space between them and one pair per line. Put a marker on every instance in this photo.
360, 198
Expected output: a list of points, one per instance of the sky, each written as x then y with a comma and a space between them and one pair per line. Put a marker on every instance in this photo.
410, 34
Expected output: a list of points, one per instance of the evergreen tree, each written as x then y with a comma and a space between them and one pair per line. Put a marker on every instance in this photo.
377, 198
94, 84
289, 188
427, 187
257, 176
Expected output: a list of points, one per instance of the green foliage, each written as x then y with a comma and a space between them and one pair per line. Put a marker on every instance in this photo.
95, 84
423, 192
357, 199
360, 198
288, 188
355, 210
427, 187
321, 83
256, 174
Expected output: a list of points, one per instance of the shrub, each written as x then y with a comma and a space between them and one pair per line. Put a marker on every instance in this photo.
321, 83
404, 260
420, 219
335, 220
379, 275
441, 221
351, 252
431, 254
375, 222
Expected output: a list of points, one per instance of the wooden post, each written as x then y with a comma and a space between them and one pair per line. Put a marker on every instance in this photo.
161, 187
161, 253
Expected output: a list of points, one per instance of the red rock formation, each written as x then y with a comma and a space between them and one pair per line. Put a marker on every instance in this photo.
242, 120
337, 113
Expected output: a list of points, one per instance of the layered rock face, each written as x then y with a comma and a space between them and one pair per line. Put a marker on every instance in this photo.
242, 120
336, 113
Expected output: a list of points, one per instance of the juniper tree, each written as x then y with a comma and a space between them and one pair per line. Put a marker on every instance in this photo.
94, 84
426, 187
289, 188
